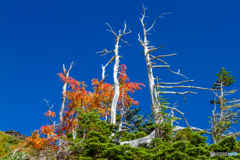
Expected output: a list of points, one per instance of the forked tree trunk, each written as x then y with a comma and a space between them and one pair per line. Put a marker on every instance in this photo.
115, 69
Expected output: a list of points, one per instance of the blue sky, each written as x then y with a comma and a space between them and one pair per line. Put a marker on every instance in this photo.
37, 37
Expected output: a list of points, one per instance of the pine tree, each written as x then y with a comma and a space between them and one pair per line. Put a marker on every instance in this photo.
222, 121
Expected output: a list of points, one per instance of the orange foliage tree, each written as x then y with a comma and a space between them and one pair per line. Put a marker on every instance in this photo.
100, 99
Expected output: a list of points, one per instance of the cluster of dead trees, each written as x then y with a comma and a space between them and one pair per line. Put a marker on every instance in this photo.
220, 121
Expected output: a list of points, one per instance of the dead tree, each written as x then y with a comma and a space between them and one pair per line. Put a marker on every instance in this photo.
61, 120
152, 86
103, 76
66, 74
116, 66
150, 65
49, 117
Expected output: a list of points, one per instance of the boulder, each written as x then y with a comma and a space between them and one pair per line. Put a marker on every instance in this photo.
16, 134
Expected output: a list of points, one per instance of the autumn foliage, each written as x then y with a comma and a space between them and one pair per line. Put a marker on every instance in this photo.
78, 98
36, 141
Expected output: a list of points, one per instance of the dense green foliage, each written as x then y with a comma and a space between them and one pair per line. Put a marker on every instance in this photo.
97, 144
185, 144
224, 77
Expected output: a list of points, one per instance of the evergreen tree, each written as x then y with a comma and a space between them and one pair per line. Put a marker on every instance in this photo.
133, 125
222, 121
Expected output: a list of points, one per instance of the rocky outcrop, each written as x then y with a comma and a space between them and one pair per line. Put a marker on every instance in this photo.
16, 134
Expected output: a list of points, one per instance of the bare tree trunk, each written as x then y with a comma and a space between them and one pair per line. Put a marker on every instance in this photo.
115, 70
145, 44
103, 76
217, 132
116, 84
61, 121
120, 128
214, 124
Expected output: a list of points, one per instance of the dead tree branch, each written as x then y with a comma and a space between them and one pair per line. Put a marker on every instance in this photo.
49, 110
178, 73
193, 87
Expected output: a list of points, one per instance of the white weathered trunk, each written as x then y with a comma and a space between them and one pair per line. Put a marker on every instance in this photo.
140, 141
147, 140
221, 102
62, 106
116, 84
66, 74
122, 115
103, 77
217, 133
115, 69
151, 84
61, 121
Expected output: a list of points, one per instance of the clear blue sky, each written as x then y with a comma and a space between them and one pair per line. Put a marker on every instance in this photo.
37, 37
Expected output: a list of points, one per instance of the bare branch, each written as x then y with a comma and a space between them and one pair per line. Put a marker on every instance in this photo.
126, 43
125, 26
177, 128
123, 33
111, 30
140, 141
105, 77
111, 60
154, 49
105, 51
173, 83
144, 8
233, 101
156, 20
70, 68
193, 87
150, 47
216, 94
47, 102
160, 60
64, 71
18, 149
49, 110
127, 32
172, 92
140, 40
180, 113
103, 68
161, 66
164, 56
151, 63
170, 69
181, 93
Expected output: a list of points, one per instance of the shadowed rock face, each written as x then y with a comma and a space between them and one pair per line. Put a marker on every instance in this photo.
16, 134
